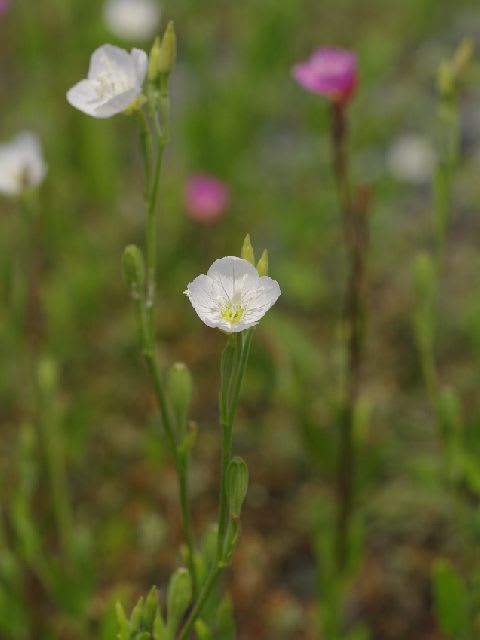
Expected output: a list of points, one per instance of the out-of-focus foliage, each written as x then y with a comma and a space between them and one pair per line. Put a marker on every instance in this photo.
76, 409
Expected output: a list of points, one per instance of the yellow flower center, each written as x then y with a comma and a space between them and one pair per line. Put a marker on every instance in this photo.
232, 313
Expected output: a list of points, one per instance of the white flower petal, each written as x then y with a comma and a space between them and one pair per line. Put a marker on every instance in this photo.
231, 272
108, 59
115, 105
82, 97
199, 293
265, 297
140, 63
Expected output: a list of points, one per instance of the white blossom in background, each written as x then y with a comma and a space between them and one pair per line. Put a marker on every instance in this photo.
132, 19
232, 296
115, 79
22, 165
412, 158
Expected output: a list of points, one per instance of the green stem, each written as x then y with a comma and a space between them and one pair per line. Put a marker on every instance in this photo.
151, 255
232, 370
202, 598
187, 527
228, 409
145, 304
147, 150
161, 402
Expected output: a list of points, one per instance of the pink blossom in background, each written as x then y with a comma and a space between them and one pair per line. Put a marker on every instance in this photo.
206, 198
330, 72
4, 6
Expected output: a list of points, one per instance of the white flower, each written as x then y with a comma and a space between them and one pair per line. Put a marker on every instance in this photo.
115, 79
132, 19
232, 296
411, 158
21, 164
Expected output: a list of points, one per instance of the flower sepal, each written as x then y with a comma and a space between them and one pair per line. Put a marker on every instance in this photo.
135, 106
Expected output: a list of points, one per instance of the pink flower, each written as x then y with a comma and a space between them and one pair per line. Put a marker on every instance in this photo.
330, 72
206, 198
4, 6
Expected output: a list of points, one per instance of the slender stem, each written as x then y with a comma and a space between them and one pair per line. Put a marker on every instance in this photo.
226, 382
147, 150
145, 304
187, 527
339, 134
232, 376
151, 256
202, 598
355, 226
243, 344
161, 402
247, 343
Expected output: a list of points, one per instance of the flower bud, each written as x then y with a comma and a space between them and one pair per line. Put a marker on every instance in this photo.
150, 609
237, 485
135, 105
134, 270
178, 598
159, 628
262, 266
153, 59
247, 250
122, 621
137, 615
180, 389
164, 56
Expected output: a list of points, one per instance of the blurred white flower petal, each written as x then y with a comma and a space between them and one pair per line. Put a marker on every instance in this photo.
412, 158
232, 296
132, 19
22, 165
115, 79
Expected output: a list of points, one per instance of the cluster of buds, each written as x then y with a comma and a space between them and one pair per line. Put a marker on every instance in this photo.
147, 622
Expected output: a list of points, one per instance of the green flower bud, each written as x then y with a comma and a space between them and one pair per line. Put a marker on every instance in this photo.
136, 105
122, 621
165, 56
134, 270
247, 250
178, 598
137, 615
150, 609
154, 58
237, 485
262, 266
159, 628
180, 390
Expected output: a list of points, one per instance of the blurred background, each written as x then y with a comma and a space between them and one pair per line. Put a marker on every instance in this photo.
73, 387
